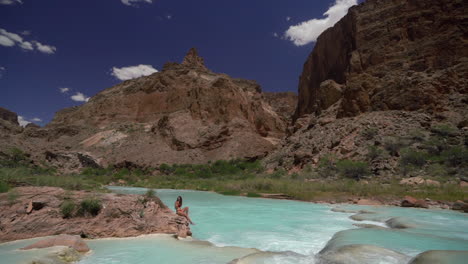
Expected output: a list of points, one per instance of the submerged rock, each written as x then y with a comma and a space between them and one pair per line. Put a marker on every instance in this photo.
441, 256
362, 254
66, 255
74, 242
398, 222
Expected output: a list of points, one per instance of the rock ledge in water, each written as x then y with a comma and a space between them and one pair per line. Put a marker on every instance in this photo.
74, 242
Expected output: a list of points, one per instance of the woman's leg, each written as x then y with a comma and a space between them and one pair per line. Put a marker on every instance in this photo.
186, 209
181, 213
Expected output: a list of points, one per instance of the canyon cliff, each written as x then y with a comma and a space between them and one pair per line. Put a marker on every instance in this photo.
386, 71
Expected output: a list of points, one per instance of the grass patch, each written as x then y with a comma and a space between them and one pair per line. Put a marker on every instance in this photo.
67, 209
4, 187
90, 206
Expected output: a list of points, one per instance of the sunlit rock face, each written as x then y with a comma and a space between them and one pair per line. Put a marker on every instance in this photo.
183, 114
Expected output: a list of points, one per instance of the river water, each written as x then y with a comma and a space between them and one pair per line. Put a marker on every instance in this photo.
254, 230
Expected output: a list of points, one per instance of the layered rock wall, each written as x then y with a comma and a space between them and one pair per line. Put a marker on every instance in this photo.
389, 55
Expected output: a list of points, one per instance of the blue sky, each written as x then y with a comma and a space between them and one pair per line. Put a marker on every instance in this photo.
49, 45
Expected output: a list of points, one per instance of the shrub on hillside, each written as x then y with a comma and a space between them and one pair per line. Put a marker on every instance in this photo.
353, 169
374, 152
393, 145
370, 133
456, 156
444, 130
14, 158
326, 166
150, 193
4, 187
90, 206
67, 209
410, 157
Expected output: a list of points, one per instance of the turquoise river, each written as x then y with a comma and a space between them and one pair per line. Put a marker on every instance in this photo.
231, 229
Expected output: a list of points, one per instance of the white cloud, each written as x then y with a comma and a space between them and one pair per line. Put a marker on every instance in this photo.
45, 48
308, 31
10, 2
4, 41
288, 18
26, 32
27, 45
275, 35
133, 2
22, 121
132, 72
79, 97
36, 119
12, 36
9, 39
64, 89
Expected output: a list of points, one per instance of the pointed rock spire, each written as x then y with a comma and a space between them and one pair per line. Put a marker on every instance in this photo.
193, 60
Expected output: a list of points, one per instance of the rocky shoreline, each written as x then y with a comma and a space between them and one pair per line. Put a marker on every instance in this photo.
407, 201
28, 212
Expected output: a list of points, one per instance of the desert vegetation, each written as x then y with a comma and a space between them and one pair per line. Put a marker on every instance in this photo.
438, 156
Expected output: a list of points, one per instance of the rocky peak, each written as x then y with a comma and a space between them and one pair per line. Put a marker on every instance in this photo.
8, 115
193, 60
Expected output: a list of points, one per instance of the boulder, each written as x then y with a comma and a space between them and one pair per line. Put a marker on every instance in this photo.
432, 183
459, 206
74, 242
413, 181
409, 201
441, 256
368, 202
361, 254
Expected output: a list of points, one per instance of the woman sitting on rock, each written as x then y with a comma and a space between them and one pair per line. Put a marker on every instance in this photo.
182, 211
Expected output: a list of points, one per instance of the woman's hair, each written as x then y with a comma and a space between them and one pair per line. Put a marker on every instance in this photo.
180, 200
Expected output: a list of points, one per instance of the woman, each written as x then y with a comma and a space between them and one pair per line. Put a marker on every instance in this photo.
182, 211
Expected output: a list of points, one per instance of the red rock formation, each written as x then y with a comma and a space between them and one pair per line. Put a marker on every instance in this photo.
120, 216
389, 55
183, 114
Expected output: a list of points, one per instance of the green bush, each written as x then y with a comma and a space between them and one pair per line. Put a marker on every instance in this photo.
353, 169
12, 197
374, 152
166, 169
67, 209
151, 193
91, 206
456, 156
417, 136
253, 195
277, 174
370, 133
393, 145
4, 187
14, 158
326, 166
444, 130
411, 157
435, 146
